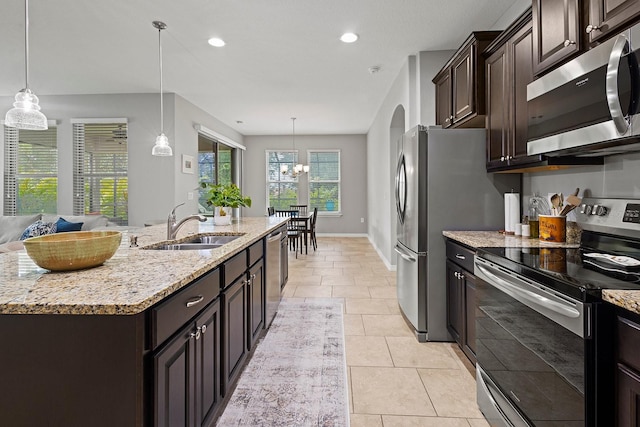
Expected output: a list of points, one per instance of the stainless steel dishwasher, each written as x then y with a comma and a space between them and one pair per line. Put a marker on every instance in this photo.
274, 273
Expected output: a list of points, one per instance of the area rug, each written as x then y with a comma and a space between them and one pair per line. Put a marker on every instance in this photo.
297, 375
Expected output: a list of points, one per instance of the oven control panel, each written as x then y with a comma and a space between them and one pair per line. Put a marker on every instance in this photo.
632, 213
613, 216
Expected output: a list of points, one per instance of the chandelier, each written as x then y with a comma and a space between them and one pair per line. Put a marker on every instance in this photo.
298, 168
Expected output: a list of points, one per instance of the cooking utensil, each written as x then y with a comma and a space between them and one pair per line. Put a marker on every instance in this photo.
556, 203
572, 203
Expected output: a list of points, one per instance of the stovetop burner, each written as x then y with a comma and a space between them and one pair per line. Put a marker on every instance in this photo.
608, 257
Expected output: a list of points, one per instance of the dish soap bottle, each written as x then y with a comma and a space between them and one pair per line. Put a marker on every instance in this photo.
534, 220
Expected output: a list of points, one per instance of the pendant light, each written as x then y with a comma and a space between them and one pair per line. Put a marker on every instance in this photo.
25, 113
298, 168
161, 148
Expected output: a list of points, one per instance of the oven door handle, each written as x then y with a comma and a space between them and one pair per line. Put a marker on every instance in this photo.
518, 292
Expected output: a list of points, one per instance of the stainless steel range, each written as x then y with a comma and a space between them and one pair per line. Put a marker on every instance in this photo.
544, 335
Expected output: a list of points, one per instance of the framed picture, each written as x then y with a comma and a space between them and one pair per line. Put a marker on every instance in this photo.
187, 164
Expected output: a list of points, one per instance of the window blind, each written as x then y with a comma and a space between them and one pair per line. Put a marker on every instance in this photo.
30, 171
100, 162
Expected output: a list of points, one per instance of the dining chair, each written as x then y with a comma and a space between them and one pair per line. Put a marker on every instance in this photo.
271, 211
312, 229
293, 231
303, 209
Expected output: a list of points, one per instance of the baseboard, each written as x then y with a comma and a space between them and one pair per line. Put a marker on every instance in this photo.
386, 262
342, 235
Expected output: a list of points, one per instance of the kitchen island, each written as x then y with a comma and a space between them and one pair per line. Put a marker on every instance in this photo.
152, 337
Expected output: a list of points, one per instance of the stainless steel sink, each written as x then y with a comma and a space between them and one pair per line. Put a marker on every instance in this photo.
213, 240
186, 246
197, 243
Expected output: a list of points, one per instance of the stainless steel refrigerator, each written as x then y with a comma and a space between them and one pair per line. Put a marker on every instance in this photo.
441, 184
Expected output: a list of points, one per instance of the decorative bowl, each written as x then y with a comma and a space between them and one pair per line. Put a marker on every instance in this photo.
73, 250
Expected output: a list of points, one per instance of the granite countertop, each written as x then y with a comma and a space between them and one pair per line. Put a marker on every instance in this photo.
629, 300
494, 239
131, 281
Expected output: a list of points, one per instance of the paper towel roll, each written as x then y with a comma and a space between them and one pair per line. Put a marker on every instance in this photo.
511, 211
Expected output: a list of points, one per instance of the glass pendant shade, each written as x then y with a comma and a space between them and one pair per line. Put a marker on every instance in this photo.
162, 147
284, 169
298, 168
25, 113
305, 168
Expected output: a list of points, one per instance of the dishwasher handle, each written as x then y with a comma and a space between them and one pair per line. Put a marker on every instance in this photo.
274, 237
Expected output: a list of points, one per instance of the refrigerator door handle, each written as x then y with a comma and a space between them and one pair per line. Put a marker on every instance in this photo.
401, 193
403, 254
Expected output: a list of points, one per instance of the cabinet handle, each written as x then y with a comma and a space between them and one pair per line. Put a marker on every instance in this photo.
456, 274
203, 328
194, 301
460, 256
591, 28
461, 276
568, 43
502, 158
195, 334
253, 276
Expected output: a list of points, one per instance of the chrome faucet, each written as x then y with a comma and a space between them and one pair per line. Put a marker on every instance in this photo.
173, 226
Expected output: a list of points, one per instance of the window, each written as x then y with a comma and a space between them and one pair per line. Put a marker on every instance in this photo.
215, 165
324, 180
30, 171
100, 164
282, 189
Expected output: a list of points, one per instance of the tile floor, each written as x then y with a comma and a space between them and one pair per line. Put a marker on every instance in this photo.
393, 380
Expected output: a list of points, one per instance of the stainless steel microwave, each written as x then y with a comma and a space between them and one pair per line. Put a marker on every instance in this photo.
590, 105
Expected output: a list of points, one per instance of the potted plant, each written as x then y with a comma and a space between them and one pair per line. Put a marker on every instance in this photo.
224, 196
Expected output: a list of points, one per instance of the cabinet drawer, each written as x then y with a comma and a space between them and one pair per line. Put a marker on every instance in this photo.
461, 255
256, 251
235, 267
629, 343
178, 309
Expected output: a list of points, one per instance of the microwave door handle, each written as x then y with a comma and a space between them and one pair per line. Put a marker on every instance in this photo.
613, 100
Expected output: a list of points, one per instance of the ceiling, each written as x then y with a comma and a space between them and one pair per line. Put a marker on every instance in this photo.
282, 58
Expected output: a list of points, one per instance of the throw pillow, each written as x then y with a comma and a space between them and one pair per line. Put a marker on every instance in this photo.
39, 228
64, 226
12, 227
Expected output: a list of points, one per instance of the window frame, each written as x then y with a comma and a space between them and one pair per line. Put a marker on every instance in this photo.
295, 180
338, 181
80, 175
11, 175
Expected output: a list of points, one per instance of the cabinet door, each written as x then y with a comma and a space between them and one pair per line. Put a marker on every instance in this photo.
443, 99
454, 302
174, 391
556, 32
462, 84
498, 96
521, 49
208, 391
469, 346
256, 299
607, 16
234, 335
627, 396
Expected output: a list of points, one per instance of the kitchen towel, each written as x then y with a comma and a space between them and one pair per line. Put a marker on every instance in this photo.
511, 212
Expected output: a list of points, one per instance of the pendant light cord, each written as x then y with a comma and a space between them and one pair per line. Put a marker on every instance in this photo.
26, 43
161, 97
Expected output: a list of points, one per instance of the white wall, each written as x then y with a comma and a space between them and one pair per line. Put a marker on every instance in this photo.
518, 7
156, 184
353, 174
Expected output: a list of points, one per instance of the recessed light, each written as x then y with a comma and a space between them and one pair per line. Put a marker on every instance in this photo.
216, 42
349, 37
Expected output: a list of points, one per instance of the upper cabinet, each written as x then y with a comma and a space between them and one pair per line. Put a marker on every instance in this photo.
460, 90
557, 32
508, 72
605, 16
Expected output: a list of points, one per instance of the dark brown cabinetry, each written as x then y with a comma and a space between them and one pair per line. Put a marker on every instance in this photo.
508, 72
628, 372
234, 332
460, 91
187, 387
461, 288
557, 32
607, 16
256, 302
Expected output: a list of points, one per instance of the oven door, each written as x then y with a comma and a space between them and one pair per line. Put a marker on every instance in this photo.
530, 350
